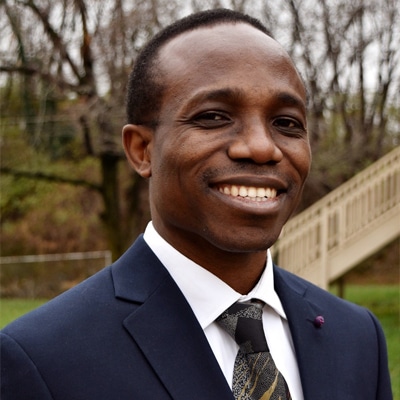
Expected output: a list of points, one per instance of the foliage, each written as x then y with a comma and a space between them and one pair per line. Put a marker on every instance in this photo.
41, 217
45, 279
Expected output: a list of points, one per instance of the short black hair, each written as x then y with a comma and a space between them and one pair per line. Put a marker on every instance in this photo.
144, 92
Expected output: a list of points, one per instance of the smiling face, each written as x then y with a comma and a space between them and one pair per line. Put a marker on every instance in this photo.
230, 153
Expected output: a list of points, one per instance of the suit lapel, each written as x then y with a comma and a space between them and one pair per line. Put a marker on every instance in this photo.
310, 341
165, 328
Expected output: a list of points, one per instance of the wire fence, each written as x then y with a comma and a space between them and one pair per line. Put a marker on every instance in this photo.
47, 275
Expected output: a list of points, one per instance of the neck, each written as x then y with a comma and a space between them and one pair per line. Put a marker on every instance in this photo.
239, 267
240, 271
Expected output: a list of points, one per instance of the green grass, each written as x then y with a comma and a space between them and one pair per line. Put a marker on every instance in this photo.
11, 309
383, 301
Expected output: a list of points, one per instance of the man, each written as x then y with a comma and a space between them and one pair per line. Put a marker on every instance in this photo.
217, 123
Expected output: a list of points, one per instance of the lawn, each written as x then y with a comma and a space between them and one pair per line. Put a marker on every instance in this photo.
384, 301
11, 309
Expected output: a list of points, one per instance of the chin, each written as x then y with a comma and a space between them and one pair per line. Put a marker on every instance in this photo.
246, 243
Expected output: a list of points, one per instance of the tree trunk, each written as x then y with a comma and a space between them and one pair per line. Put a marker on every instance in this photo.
111, 216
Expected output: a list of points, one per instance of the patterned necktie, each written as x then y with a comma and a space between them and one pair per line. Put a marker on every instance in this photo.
255, 376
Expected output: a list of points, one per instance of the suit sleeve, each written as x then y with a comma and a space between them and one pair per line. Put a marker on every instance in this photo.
20, 378
384, 390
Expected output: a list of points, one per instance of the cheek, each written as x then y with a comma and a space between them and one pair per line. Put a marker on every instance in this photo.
307, 160
189, 158
173, 172
300, 157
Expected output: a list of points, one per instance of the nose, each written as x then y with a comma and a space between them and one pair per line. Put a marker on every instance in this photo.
255, 142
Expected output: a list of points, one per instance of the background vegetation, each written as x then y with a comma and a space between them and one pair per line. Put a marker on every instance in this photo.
64, 66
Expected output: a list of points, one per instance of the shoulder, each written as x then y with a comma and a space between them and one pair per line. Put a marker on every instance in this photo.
97, 305
294, 291
287, 281
347, 332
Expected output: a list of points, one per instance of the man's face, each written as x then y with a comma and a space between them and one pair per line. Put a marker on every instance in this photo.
230, 154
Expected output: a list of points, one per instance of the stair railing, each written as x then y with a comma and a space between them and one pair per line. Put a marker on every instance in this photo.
340, 218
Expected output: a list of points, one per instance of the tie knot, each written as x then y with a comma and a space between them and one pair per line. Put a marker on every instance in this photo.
243, 321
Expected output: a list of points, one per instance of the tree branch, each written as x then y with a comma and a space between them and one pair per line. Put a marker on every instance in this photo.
50, 178
30, 70
54, 37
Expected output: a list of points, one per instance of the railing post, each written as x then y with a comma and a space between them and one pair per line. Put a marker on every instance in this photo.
324, 248
335, 224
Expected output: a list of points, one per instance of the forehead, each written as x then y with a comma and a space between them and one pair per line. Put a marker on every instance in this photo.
226, 55
223, 37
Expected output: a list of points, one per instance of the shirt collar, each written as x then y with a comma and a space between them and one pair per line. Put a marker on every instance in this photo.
208, 295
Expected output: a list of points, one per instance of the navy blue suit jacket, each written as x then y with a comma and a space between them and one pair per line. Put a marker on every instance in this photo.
128, 333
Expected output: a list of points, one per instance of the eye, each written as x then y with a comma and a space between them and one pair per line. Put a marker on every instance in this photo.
211, 116
287, 123
211, 119
290, 126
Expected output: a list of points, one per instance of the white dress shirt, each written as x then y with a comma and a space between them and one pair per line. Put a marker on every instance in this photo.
209, 297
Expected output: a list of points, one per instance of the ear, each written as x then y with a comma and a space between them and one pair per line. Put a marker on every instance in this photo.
138, 142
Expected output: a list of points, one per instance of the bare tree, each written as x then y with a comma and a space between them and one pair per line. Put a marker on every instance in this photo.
348, 54
58, 50
84, 49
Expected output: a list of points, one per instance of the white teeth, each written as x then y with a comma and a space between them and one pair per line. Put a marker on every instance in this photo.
243, 191
261, 192
251, 192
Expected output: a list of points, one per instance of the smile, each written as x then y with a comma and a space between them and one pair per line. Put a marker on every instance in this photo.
250, 192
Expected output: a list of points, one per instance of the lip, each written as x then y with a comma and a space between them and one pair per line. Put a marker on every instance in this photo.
248, 204
251, 181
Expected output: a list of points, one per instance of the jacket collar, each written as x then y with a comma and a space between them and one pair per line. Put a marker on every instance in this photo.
302, 306
163, 325
165, 328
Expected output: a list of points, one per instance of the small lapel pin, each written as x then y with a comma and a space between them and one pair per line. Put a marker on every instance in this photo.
319, 321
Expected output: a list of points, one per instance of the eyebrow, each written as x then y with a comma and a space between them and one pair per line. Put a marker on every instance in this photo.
235, 95
217, 94
290, 100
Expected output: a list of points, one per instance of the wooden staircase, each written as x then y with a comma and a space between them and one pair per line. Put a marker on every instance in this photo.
345, 227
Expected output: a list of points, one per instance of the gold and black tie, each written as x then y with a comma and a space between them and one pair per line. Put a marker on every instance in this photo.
255, 376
